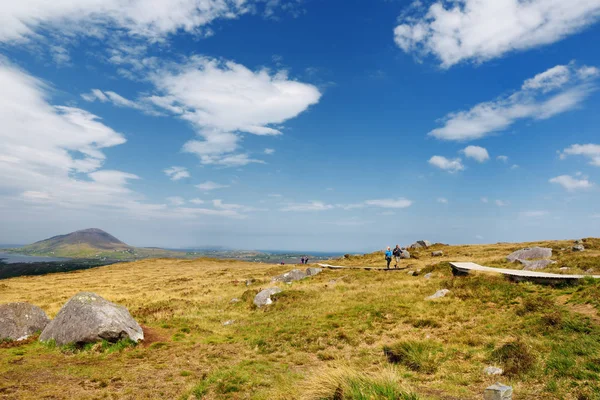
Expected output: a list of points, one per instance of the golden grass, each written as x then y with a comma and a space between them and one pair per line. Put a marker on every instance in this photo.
337, 321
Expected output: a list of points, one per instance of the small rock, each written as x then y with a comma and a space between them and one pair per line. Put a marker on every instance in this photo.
230, 322
293, 275
411, 273
438, 253
498, 391
264, 297
589, 271
313, 271
438, 294
493, 371
250, 281
564, 268
578, 247
18, 321
235, 300
428, 276
89, 318
530, 253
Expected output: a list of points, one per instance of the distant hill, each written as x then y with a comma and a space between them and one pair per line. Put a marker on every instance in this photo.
93, 237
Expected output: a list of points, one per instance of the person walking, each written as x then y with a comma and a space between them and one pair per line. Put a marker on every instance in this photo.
397, 255
306, 260
388, 256
302, 260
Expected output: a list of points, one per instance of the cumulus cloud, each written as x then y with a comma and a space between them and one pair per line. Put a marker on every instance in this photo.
390, 203
504, 159
540, 97
446, 164
572, 184
26, 19
177, 173
269, 151
197, 201
590, 151
477, 153
223, 100
481, 30
209, 185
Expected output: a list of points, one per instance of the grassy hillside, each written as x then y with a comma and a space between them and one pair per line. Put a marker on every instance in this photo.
323, 338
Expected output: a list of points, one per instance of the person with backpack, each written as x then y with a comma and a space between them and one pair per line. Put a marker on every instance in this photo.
397, 255
388, 257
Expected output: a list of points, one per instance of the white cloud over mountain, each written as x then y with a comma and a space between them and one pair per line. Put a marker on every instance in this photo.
547, 94
480, 30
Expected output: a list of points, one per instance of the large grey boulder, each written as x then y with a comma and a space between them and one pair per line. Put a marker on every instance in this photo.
293, 275
405, 255
537, 264
312, 271
263, 298
578, 247
438, 253
88, 318
498, 391
18, 321
530, 253
420, 244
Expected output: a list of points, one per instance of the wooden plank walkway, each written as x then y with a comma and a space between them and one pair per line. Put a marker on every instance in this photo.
463, 268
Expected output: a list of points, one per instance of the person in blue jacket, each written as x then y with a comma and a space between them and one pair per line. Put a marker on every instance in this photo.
388, 256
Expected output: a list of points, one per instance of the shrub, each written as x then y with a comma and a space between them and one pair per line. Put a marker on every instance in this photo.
516, 358
417, 356
535, 304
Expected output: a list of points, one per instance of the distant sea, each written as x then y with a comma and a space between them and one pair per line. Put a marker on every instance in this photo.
19, 258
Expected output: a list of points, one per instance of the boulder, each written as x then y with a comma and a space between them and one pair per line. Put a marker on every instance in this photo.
428, 276
493, 371
313, 271
424, 243
531, 253
537, 264
250, 281
263, 298
293, 275
18, 321
438, 294
578, 247
88, 318
578, 241
498, 391
405, 255
438, 253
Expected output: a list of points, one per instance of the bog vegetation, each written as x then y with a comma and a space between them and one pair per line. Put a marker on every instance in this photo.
340, 335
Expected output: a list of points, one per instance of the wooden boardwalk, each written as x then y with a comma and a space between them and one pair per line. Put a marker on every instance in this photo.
464, 268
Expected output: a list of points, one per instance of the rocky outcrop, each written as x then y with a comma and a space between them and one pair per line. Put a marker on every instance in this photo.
312, 271
537, 264
531, 253
405, 255
88, 318
263, 298
293, 275
438, 253
420, 244
18, 321
578, 247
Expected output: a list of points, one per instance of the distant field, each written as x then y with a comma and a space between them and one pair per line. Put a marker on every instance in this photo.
324, 337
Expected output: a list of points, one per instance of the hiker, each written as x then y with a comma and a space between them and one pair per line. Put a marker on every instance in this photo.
302, 260
397, 255
388, 256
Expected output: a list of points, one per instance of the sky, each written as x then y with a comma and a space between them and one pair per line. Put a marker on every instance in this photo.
329, 125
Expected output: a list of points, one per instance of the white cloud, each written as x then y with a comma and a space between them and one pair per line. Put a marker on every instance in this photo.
442, 200
533, 213
484, 200
501, 203
120, 101
197, 201
451, 166
591, 151
209, 185
176, 200
540, 98
219, 204
572, 184
177, 173
481, 30
269, 151
504, 159
139, 18
514, 166
477, 153
390, 203
223, 100
310, 206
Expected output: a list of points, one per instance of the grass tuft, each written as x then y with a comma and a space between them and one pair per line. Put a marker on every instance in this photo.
516, 358
419, 356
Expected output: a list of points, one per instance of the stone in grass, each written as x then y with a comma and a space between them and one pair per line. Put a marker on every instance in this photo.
438, 253
230, 322
89, 318
493, 371
428, 276
498, 391
18, 321
438, 294
312, 271
293, 275
537, 264
411, 273
264, 297
235, 300
578, 247
530, 253
405, 255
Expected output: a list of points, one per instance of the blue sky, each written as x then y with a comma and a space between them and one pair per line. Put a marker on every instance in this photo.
300, 125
